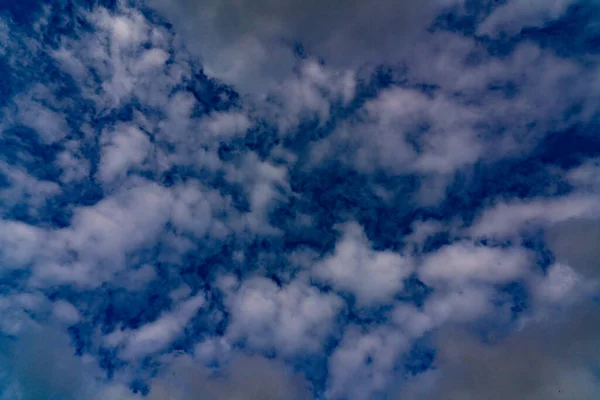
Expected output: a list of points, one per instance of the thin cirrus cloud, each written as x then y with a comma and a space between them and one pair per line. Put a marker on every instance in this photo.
299, 200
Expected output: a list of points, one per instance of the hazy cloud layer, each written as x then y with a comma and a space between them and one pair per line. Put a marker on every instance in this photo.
248, 40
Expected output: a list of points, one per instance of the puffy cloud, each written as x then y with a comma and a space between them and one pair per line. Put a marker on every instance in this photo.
221, 124
463, 262
374, 277
49, 124
264, 183
463, 305
558, 286
364, 362
66, 312
72, 163
122, 148
128, 172
293, 319
408, 131
102, 235
20, 244
23, 188
114, 50
311, 92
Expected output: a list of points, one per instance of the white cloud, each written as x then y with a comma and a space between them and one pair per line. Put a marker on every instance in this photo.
17, 311
458, 306
113, 50
24, 189
513, 16
150, 60
159, 334
65, 312
294, 319
126, 30
374, 277
49, 124
74, 166
413, 322
558, 285
309, 94
123, 148
264, 183
405, 131
19, 244
508, 218
192, 212
586, 177
221, 125
455, 306
363, 363
95, 246
400, 131
464, 262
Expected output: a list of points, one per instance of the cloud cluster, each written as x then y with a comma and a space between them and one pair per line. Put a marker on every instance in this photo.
298, 199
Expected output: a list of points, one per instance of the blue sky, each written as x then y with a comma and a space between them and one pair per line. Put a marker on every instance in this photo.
299, 200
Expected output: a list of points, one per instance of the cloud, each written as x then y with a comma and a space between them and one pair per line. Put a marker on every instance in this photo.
251, 378
507, 218
66, 312
558, 285
363, 363
157, 335
311, 92
461, 263
294, 319
122, 148
101, 236
250, 43
409, 131
23, 188
49, 124
585, 177
41, 364
290, 200
573, 242
531, 14
561, 366
373, 277
20, 244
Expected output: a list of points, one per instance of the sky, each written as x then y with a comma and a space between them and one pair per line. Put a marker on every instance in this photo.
299, 200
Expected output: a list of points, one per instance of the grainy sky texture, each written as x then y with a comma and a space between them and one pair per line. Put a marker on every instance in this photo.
300, 200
